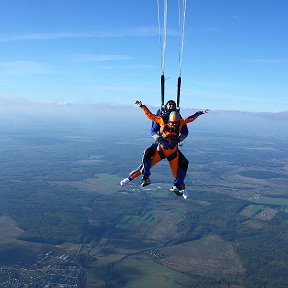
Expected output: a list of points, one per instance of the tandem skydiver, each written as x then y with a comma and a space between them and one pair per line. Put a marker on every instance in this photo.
155, 133
167, 146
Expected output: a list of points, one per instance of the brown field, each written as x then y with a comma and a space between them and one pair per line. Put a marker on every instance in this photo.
103, 182
254, 224
259, 212
208, 257
266, 214
8, 232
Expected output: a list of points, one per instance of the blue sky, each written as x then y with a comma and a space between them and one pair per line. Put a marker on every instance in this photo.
90, 51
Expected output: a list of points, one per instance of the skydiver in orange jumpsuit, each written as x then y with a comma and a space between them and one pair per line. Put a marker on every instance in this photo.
168, 146
149, 152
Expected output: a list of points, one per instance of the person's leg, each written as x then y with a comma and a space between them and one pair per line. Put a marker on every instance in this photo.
145, 166
147, 160
138, 171
153, 160
173, 159
132, 175
182, 170
178, 184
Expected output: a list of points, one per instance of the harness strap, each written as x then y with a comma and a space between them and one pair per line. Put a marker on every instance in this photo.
172, 156
161, 153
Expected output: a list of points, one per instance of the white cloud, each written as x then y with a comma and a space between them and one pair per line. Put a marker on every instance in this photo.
40, 36
268, 61
122, 32
23, 67
6, 99
100, 57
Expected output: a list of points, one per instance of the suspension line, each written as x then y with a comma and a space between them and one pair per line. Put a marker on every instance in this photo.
181, 30
162, 42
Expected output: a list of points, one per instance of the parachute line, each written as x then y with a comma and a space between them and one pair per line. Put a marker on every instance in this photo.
163, 33
181, 23
181, 32
182, 4
162, 42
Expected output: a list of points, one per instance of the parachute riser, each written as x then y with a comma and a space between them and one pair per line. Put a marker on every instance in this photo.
162, 90
178, 92
181, 22
163, 107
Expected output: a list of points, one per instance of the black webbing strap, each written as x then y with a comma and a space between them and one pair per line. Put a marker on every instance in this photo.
178, 91
162, 89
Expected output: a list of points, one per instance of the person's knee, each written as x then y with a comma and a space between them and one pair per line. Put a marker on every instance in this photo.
183, 163
149, 152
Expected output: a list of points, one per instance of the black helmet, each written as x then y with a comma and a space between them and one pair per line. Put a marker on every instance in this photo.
171, 106
172, 102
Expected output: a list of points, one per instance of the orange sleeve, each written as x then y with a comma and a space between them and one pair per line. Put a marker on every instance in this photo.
190, 118
151, 116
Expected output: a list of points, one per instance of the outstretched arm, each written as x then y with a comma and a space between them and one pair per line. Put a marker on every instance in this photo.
147, 112
194, 116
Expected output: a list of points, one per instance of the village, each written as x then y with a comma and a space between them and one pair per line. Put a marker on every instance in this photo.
50, 270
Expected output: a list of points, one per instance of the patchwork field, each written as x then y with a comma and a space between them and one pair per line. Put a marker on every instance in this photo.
63, 211
8, 232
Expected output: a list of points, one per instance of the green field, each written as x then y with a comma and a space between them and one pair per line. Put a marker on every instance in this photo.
272, 201
60, 188
141, 272
148, 218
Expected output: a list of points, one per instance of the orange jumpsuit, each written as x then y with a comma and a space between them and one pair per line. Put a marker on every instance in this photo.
168, 147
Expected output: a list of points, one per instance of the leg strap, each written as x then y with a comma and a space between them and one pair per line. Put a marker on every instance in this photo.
172, 156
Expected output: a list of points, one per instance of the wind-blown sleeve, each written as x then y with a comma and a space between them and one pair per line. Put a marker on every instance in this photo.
151, 116
192, 117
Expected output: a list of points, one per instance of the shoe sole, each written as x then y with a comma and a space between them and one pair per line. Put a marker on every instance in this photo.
178, 193
122, 184
145, 184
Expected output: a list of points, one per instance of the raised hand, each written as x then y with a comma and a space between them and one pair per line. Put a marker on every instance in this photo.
138, 103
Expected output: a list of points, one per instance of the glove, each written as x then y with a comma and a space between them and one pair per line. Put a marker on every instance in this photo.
138, 103
157, 137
